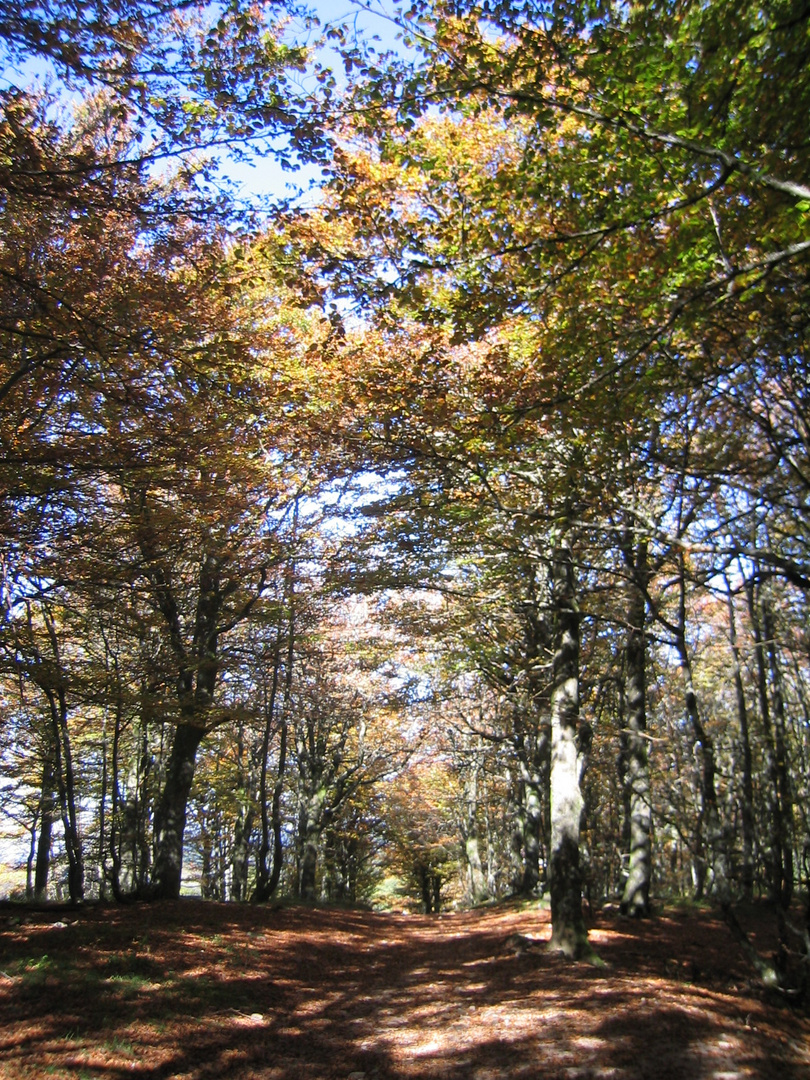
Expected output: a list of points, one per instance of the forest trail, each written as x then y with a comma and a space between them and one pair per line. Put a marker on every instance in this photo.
204, 991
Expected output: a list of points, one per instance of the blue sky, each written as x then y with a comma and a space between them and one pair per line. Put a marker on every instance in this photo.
266, 177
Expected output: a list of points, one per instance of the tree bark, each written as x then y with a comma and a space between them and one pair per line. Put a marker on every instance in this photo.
709, 820
278, 849
781, 857
102, 815
784, 786
263, 891
170, 819
241, 853
63, 768
267, 883
436, 890
747, 815
531, 790
477, 880
568, 932
424, 885
43, 850
636, 770
310, 832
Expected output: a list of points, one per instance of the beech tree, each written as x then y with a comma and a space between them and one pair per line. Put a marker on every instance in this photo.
121, 493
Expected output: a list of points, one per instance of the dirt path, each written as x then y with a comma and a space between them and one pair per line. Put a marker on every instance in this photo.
207, 991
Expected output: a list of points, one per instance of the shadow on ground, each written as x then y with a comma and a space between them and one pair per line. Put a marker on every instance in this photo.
193, 991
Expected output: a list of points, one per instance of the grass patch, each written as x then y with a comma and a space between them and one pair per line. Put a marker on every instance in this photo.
120, 1046
33, 971
129, 983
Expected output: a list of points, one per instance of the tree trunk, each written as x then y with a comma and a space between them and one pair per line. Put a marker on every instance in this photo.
424, 884
784, 786
262, 891
29, 864
63, 764
278, 849
43, 849
207, 887
116, 810
517, 819
568, 932
309, 866
636, 770
66, 786
267, 883
436, 890
709, 821
747, 815
492, 866
781, 858
475, 870
102, 815
310, 835
532, 826
240, 857
170, 818
197, 670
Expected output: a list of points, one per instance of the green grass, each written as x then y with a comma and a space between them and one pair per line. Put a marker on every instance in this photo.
119, 1045
32, 970
129, 983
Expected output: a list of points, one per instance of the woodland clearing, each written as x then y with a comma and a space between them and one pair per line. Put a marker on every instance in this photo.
196, 990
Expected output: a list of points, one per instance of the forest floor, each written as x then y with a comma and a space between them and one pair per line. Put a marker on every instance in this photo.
203, 991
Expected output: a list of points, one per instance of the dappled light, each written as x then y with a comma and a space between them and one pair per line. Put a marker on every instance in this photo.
196, 990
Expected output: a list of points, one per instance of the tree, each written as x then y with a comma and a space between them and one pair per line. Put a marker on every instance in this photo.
159, 87
560, 181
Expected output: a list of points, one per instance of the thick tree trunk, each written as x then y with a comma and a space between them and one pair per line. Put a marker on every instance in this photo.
517, 867
568, 931
492, 862
197, 673
477, 880
532, 825
636, 770
310, 835
130, 849
43, 848
66, 786
267, 879
170, 819
309, 865
55, 694
532, 752
207, 874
